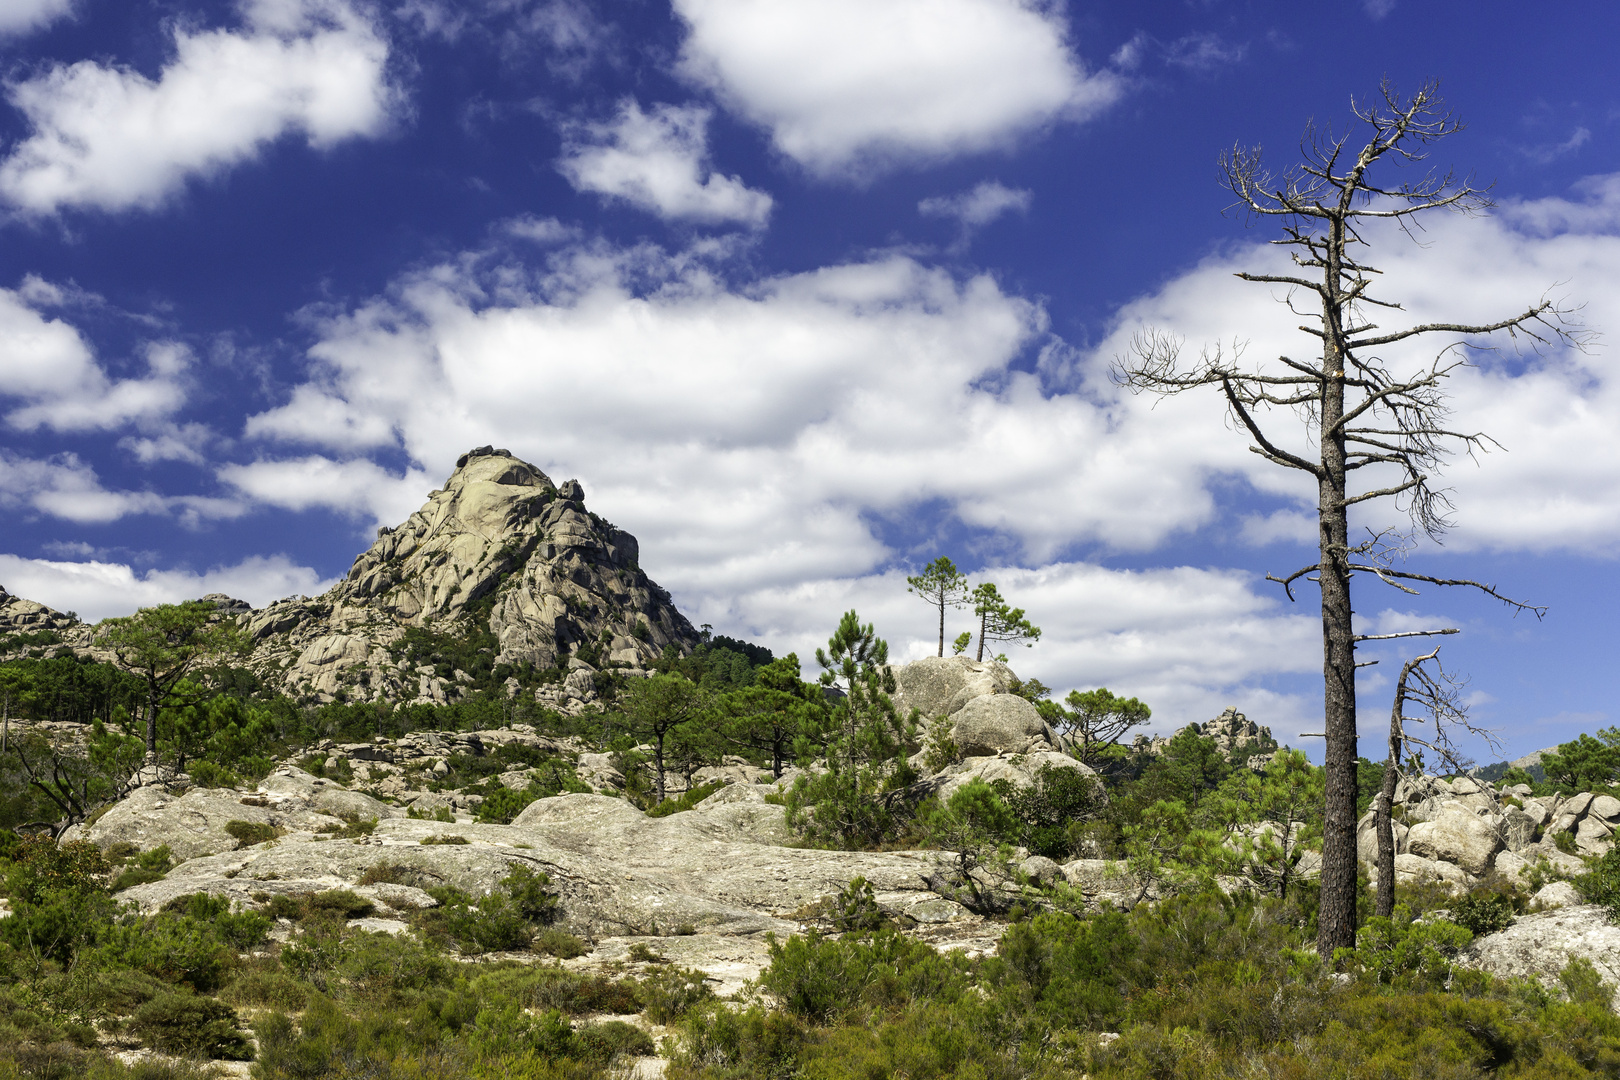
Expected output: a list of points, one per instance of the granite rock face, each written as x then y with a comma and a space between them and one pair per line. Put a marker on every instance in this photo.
940, 686
999, 723
1539, 946
19, 616
721, 867
500, 551
1458, 836
1232, 732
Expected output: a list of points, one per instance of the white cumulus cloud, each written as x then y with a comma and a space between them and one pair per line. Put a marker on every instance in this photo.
112, 138
658, 162
24, 16
853, 85
48, 368
356, 487
98, 590
980, 205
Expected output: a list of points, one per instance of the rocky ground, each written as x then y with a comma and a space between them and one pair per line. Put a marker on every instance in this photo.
703, 887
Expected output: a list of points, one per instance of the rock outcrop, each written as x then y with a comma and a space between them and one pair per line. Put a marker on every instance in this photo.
1458, 831
722, 867
499, 556
25, 624
1232, 731
940, 686
1539, 946
997, 724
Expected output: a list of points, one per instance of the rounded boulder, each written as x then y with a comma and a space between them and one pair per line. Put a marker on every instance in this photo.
997, 724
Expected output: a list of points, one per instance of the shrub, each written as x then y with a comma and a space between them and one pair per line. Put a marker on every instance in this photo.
430, 841
185, 1024
1053, 812
381, 964
1483, 913
818, 978
856, 909
338, 903
668, 993
527, 888
266, 989
1584, 984
205, 773
559, 943
353, 828
613, 1039
398, 874
249, 833
1389, 949
131, 876
501, 921
333, 905
148, 866
1601, 883
174, 948
686, 801
754, 1042
554, 988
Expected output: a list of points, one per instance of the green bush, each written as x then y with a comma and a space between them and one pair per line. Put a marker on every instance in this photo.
856, 910
686, 801
818, 978
205, 773
189, 1025
554, 988
131, 876
669, 992
245, 929
147, 866
610, 1040
749, 1042
1601, 882
501, 921
398, 874
266, 989
560, 943
1483, 913
353, 828
331, 906
1399, 948
249, 833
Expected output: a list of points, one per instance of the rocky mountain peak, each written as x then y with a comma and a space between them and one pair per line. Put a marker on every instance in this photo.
502, 568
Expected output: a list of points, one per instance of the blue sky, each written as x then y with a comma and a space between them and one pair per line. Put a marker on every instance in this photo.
805, 292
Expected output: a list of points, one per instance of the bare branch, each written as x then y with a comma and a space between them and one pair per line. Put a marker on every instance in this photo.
1386, 573
1404, 634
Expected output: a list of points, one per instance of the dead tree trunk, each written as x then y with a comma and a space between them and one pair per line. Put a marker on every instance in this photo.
1438, 694
1359, 413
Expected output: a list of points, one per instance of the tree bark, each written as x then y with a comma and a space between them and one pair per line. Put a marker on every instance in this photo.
1386, 796
942, 626
1336, 920
1386, 843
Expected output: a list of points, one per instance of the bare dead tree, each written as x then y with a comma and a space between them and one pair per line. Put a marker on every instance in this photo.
1360, 413
1437, 693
